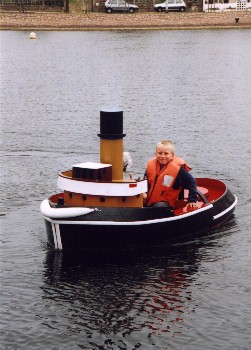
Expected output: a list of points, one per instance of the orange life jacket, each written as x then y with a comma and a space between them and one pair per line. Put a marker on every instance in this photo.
160, 181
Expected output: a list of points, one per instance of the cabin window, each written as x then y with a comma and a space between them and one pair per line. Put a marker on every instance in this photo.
91, 174
123, 199
102, 199
84, 197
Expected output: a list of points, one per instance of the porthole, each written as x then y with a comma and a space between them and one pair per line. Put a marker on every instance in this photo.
102, 199
60, 201
84, 197
123, 199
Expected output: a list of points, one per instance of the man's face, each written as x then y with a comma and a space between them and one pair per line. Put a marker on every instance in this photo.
164, 154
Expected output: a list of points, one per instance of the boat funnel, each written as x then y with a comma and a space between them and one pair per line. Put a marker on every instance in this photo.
111, 141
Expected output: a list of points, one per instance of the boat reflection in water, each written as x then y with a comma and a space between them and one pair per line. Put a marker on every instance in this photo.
100, 207
116, 293
119, 294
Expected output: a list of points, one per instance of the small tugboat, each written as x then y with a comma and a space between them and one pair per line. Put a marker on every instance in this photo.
99, 207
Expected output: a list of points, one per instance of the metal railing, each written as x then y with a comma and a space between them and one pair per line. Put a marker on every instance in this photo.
24, 5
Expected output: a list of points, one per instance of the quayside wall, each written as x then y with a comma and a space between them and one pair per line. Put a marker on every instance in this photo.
104, 21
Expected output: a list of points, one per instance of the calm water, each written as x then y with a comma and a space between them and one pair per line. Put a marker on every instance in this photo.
190, 86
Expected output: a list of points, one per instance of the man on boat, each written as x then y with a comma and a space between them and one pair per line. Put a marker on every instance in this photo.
167, 176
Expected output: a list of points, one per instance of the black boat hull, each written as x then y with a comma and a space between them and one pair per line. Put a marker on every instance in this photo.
120, 227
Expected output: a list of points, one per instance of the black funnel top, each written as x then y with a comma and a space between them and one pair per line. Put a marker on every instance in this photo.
111, 124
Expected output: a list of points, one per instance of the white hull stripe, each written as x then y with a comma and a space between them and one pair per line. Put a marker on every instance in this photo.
131, 223
56, 236
227, 210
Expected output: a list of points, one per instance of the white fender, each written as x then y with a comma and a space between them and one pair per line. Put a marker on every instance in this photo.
60, 213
